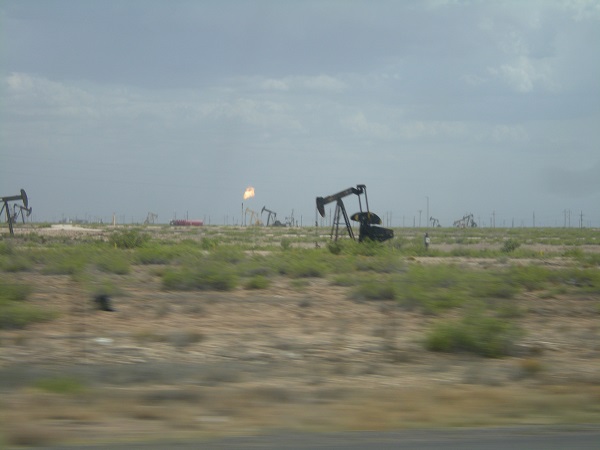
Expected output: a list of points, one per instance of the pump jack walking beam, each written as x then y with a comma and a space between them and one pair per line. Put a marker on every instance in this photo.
322, 201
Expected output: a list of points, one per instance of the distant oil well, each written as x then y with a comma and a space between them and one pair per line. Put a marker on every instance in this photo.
254, 217
368, 221
150, 218
23, 210
271, 218
466, 222
434, 222
291, 221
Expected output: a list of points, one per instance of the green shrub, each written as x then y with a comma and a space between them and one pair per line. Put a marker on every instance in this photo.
531, 277
482, 335
585, 279
155, 254
14, 311
179, 280
19, 315
67, 261
575, 253
60, 385
509, 309
334, 247
213, 276
510, 245
367, 247
208, 243
435, 277
128, 239
306, 269
345, 280
302, 264
258, 282
335, 264
227, 254
15, 263
6, 248
591, 260
465, 252
374, 290
432, 288
254, 266
300, 284
113, 262
14, 292
381, 264
429, 301
286, 244
491, 285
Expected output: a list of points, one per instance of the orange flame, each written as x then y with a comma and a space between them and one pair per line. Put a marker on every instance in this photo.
249, 193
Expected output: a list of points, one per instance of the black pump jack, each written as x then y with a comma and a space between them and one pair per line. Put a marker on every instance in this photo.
369, 221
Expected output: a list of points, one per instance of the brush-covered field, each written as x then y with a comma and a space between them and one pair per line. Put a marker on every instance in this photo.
228, 331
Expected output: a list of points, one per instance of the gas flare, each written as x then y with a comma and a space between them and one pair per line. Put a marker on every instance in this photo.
249, 193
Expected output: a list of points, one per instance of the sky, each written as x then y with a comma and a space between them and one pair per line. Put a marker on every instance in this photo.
442, 108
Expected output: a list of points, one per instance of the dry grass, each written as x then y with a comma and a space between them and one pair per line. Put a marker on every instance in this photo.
226, 409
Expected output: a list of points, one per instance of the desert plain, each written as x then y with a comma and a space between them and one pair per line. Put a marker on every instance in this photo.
228, 331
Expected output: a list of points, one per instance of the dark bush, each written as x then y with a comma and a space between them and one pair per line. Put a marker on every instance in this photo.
128, 239
510, 245
485, 336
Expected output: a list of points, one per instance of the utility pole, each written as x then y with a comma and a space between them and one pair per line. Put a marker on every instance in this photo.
420, 217
427, 216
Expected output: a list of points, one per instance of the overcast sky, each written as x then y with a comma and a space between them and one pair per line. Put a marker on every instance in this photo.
175, 107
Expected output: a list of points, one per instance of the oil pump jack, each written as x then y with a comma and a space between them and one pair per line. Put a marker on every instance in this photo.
466, 222
17, 209
272, 215
254, 217
369, 221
